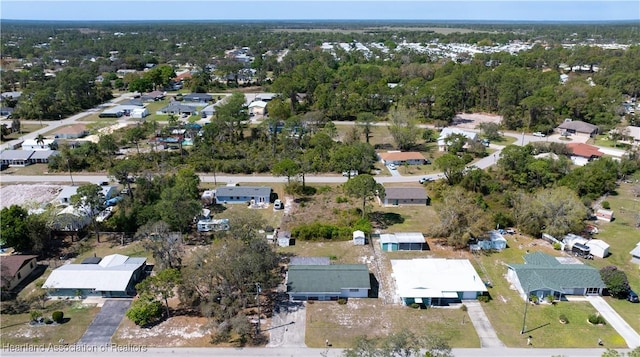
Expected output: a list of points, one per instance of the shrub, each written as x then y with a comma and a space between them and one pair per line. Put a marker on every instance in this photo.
342, 301
484, 298
563, 318
549, 299
463, 307
596, 319
35, 315
144, 312
48, 321
616, 281
557, 246
57, 316
341, 199
534, 299
415, 306
606, 205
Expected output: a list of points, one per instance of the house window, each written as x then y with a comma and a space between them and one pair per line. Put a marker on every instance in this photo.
19, 277
354, 290
592, 291
31, 265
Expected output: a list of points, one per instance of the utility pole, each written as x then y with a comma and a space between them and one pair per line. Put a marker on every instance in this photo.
258, 291
526, 305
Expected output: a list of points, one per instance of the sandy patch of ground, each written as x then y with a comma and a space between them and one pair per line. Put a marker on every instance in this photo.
29, 196
472, 120
174, 332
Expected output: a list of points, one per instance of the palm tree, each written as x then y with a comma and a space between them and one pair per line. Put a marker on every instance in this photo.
40, 139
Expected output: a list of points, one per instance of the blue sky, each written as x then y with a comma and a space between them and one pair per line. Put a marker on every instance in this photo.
503, 10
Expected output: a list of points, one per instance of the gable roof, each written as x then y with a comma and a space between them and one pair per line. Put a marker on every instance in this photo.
446, 132
243, 191
327, 278
635, 251
113, 273
543, 272
16, 154
401, 156
309, 261
402, 237
11, 264
584, 150
578, 126
405, 193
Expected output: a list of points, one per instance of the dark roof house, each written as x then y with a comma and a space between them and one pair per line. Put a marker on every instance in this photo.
578, 127
405, 196
328, 282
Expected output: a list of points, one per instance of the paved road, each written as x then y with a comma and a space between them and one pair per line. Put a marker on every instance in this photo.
105, 323
488, 336
302, 352
618, 323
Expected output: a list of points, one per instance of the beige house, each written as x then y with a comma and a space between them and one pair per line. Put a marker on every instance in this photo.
15, 268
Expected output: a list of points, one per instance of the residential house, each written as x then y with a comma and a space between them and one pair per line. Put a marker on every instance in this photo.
447, 132
197, 97
359, 238
405, 196
496, 241
635, 254
139, 113
543, 275
137, 102
581, 153
401, 158
14, 269
632, 134
265, 97
113, 112
72, 132
176, 108
208, 111
577, 127
42, 156
328, 282
208, 225
154, 96
392, 242
70, 219
243, 194
436, 281
16, 157
112, 276
258, 107
33, 144
604, 215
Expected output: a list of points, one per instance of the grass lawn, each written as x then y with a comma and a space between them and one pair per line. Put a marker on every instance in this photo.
506, 310
108, 246
16, 328
24, 129
603, 140
35, 169
341, 324
343, 252
504, 140
414, 218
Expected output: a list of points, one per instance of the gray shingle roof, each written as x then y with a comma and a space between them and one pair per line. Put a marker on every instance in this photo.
327, 278
16, 154
542, 271
579, 126
243, 191
405, 193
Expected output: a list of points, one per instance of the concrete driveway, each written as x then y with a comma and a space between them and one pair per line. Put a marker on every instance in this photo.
105, 323
616, 321
288, 324
488, 336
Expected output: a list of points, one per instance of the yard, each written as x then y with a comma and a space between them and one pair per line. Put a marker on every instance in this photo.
341, 324
24, 129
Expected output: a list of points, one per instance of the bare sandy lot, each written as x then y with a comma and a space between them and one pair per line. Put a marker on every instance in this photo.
472, 120
28, 196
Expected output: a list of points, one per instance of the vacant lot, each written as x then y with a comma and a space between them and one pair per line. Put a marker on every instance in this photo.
176, 331
24, 129
341, 324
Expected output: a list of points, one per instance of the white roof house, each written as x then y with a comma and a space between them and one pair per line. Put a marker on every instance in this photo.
434, 281
113, 273
31, 144
446, 132
635, 254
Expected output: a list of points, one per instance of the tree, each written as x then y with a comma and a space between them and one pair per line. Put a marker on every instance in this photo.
452, 166
123, 170
232, 113
144, 311
461, 218
164, 245
286, 167
364, 187
4, 131
135, 135
90, 200
107, 144
40, 139
365, 121
160, 286
15, 228
403, 128
15, 125
616, 281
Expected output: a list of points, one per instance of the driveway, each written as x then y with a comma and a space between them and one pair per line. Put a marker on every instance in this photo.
488, 336
618, 323
105, 323
288, 324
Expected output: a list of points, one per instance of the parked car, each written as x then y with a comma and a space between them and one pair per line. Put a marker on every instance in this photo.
486, 142
539, 134
393, 167
350, 173
277, 204
632, 297
425, 180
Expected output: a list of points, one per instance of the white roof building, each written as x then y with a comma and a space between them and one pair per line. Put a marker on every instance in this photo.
436, 281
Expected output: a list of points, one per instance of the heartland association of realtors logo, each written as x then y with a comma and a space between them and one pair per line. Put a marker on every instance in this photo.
46, 348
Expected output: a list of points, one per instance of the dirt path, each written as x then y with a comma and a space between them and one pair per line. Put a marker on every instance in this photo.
381, 269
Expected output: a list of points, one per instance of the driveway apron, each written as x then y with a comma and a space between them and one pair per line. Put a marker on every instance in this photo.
105, 323
488, 336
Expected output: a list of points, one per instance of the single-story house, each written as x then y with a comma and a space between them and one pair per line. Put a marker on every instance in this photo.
113, 276
70, 219
258, 107
578, 127
42, 156
139, 113
208, 111
16, 157
543, 275
208, 225
405, 196
154, 96
32, 144
134, 102
446, 132
328, 282
113, 112
177, 108
635, 254
359, 238
243, 194
401, 158
14, 269
72, 132
632, 135
604, 214
197, 97
496, 241
583, 153
309, 261
391, 242
436, 281
265, 97
597, 248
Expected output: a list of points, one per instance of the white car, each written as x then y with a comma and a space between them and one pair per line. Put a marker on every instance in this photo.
538, 134
392, 167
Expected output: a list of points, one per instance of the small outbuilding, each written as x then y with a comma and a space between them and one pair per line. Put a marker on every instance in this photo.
359, 238
635, 254
604, 215
496, 241
392, 242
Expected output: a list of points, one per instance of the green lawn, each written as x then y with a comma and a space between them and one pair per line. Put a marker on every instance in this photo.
24, 129
603, 140
89, 247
